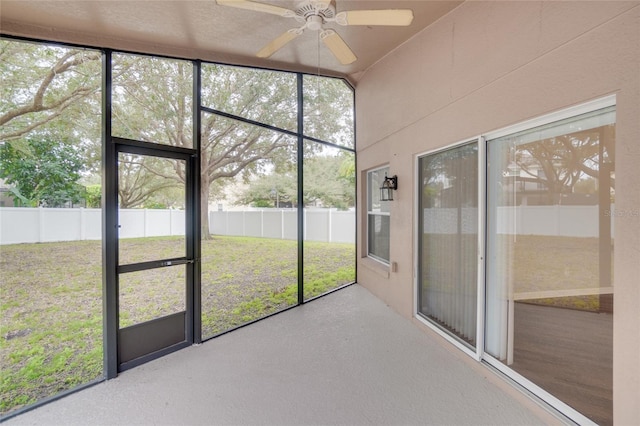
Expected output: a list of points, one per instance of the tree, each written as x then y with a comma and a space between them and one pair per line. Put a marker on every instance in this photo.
38, 83
46, 176
327, 182
139, 182
49, 115
152, 101
272, 190
566, 160
93, 196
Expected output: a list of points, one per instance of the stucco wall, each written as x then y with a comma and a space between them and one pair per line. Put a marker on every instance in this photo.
488, 65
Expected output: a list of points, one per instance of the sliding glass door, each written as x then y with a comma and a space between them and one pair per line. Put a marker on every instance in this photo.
448, 240
515, 244
549, 258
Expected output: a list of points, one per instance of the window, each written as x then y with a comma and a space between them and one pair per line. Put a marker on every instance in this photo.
448, 222
377, 217
549, 290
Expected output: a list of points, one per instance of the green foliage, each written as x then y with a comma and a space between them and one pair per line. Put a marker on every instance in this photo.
41, 83
93, 196
325, 182
262, 203
328, 110
329, 181
45, 177
155, 205
272, 190
57, 90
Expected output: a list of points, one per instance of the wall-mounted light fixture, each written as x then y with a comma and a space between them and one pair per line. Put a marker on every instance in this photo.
389, 185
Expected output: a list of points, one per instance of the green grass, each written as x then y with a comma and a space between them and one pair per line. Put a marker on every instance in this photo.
51, 300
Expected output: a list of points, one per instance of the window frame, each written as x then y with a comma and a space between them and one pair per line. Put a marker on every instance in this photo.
372, 213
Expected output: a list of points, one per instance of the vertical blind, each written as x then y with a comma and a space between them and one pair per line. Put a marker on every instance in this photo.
448, 220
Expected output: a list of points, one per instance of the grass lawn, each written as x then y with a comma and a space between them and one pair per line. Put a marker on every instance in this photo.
51, 300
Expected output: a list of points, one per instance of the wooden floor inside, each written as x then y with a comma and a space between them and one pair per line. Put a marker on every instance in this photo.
568, 353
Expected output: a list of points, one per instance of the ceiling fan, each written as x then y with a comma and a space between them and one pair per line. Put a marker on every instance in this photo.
313, 14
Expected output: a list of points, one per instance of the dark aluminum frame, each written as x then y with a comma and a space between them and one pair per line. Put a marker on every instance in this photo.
110, 148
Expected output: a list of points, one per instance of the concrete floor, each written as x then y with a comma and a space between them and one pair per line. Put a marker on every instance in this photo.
343, 359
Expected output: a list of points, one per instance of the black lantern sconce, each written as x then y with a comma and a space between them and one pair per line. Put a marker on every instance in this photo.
389, 185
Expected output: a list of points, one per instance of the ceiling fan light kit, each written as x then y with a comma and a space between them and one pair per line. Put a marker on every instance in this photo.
314, 14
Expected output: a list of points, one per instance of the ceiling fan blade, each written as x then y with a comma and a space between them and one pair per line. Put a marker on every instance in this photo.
278, 43
257, 7
392, 17
338, 47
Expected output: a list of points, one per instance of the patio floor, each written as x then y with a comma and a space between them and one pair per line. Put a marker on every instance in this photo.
346, 358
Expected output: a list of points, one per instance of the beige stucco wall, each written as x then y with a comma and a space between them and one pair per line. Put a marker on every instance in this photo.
488, 65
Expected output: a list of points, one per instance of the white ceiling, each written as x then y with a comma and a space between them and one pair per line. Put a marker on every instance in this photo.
202, 29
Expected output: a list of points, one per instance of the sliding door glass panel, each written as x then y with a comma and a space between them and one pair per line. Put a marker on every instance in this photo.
549, 295
328, 110
249, 217
152, 99
448, 223
51, 256
151, 216
265, 96
329, 218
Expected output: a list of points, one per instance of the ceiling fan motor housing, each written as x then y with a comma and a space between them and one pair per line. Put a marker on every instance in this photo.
315, 12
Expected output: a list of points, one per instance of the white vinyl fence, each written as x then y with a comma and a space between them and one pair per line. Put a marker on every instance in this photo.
33, 225
39, 225
319, 224
558, 220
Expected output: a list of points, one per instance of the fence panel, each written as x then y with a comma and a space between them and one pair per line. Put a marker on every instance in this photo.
317, 225
252, 224
235, 224
320, 224
343, 227
157, 223
218, 223
19, 225
273, 223
34, 225
60, 224
131, 223
290, 221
